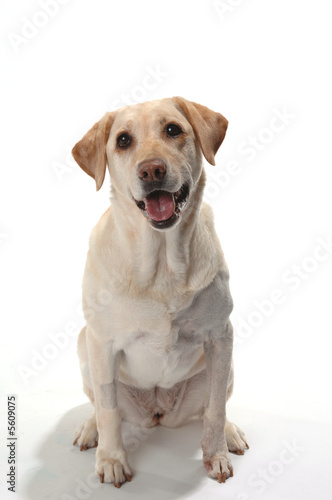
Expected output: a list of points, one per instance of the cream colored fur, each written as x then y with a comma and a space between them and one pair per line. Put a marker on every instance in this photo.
152, 351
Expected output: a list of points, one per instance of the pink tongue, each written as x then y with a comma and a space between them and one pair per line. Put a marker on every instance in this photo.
160, 205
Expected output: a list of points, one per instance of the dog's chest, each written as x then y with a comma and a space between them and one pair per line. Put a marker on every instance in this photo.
146, 319
168, 347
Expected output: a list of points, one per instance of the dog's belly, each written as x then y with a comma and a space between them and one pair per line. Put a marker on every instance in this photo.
146, 365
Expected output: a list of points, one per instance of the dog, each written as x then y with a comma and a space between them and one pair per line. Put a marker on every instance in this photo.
157, 345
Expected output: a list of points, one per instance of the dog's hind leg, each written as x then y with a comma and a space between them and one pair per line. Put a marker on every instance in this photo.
187, 400
86, 435
236, 439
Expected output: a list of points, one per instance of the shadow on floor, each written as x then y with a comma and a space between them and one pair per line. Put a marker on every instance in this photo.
167, 463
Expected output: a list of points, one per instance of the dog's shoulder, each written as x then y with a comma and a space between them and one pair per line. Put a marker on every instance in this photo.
103, 227
207, 257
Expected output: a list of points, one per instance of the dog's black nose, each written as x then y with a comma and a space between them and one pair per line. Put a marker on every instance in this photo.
152, 170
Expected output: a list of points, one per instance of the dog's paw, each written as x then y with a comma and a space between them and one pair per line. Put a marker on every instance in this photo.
236, 440
87, 435
113, 469
219, 467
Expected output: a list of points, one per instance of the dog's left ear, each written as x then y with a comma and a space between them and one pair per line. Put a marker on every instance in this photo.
90, 151
210, 127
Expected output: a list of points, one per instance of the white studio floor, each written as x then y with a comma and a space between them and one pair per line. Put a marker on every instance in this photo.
288, 458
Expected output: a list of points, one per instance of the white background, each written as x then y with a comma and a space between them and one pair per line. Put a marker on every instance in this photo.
253, 61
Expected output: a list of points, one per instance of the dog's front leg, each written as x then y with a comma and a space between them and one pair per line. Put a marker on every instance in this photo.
111, 457
218, 354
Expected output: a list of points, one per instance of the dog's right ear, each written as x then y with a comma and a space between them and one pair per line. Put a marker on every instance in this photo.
90, 151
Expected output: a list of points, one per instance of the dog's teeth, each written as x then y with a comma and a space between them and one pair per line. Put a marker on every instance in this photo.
177, 195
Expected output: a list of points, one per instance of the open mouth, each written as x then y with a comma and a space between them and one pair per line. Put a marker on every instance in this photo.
162, 208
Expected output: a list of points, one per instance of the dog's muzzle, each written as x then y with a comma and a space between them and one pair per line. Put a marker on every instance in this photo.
160, 206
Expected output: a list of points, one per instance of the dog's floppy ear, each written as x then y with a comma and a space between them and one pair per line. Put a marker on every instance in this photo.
90, 151
210, 127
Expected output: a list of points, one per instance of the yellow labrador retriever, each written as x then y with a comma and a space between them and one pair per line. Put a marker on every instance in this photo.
157, 345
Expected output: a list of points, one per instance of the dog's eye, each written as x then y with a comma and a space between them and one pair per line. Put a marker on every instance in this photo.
124, 140
173, 130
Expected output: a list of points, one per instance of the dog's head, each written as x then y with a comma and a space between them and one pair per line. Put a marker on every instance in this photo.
153, 151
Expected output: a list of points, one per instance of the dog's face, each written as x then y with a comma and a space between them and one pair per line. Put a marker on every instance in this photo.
153, 160
153, 151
